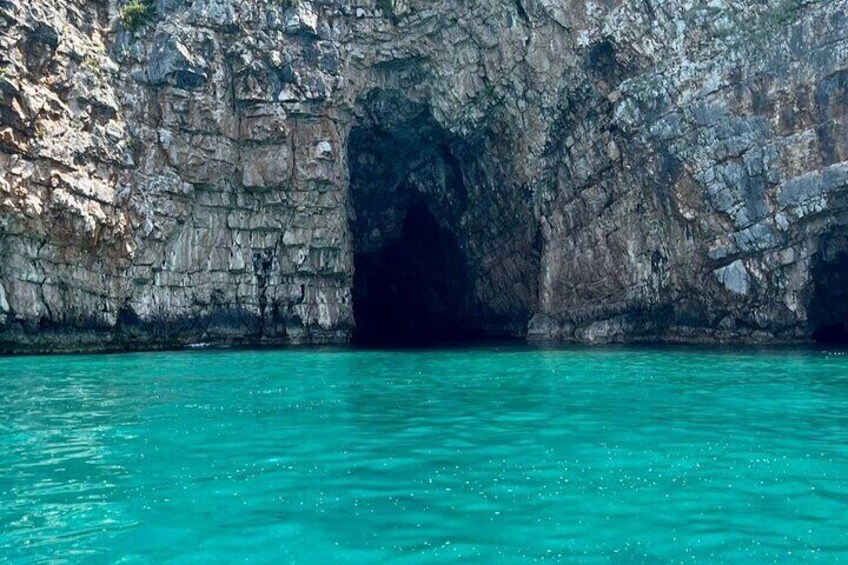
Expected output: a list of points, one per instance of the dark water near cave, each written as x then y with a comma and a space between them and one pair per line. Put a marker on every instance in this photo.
480, 455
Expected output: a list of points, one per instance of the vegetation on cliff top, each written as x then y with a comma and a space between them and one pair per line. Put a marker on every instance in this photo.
134, 14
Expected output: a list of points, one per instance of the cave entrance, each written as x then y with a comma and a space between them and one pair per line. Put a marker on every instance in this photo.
443, 247
412, 284
415, 290
828, 309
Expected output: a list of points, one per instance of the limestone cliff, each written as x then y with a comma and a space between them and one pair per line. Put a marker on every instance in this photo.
284, 171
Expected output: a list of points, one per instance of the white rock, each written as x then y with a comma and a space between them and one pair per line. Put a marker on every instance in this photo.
735, 278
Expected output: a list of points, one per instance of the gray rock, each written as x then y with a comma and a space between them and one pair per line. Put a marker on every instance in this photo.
171, 62
735, 278
224, 174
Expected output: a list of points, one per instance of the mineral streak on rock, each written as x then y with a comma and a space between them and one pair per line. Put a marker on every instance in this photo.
268, 171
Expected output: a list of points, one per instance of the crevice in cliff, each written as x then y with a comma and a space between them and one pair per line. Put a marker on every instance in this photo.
828, 308
522, 13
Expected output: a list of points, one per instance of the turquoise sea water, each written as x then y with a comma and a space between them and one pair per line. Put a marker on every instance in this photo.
488, 455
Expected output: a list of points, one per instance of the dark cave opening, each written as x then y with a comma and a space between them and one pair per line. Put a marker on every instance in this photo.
415, 290
828, 308
443, 249
412, 284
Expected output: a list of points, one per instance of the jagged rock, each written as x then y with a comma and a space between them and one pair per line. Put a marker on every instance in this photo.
735, 278
272, 172
171, 62
40, 44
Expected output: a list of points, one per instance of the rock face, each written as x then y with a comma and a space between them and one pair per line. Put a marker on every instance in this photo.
301, 171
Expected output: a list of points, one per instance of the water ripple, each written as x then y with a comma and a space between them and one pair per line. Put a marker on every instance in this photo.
488, 455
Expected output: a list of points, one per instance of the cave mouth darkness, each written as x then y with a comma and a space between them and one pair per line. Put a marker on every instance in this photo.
415, 289
411, 282
425, 270
828, 310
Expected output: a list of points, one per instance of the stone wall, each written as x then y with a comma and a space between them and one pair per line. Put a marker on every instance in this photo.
614, 170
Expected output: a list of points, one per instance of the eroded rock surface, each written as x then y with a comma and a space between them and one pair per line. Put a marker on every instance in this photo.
598, 171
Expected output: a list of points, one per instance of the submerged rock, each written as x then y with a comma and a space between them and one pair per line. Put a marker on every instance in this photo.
242, 171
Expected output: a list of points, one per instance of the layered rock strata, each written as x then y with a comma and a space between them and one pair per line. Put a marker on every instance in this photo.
287, 171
